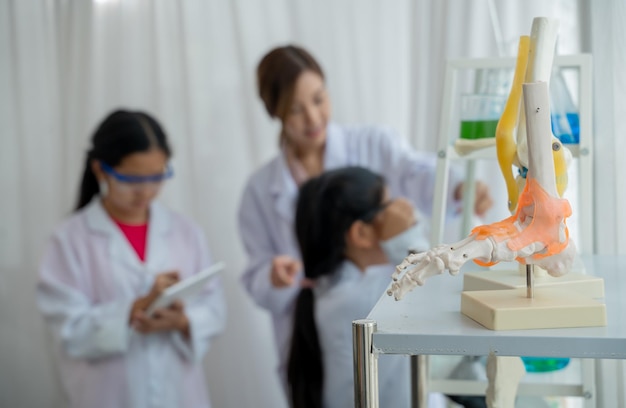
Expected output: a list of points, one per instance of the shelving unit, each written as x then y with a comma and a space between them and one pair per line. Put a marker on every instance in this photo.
409, 328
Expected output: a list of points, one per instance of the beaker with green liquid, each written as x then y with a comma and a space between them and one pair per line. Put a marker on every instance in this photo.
480, 114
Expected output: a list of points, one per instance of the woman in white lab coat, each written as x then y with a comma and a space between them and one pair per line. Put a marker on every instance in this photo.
350, 232
291, 85
108, 261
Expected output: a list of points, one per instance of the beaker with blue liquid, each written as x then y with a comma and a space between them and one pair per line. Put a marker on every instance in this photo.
564, 114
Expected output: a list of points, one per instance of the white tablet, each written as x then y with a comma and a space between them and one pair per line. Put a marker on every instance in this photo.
185, 288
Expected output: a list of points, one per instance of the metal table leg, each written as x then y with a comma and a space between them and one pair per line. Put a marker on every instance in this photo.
365, 364
415, 377
419, 378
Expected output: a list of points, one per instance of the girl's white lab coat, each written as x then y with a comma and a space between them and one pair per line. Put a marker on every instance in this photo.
267, 210
89, 278
349, 294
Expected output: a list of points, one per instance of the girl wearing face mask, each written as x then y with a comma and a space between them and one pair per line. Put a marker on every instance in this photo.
292, 87
109, 261
349, 230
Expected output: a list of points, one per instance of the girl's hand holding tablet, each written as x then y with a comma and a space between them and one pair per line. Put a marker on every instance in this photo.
161, 282
164, 319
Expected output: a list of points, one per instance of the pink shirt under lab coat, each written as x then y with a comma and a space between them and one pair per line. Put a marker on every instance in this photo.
267, 209
89, 278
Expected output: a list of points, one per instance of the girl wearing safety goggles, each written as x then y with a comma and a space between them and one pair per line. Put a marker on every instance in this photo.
109, 261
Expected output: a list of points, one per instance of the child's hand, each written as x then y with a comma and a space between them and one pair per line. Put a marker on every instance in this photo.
397, 217
166, 319
161, 282
482, 201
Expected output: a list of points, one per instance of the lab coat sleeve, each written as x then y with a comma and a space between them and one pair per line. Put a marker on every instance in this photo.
82, 328
412, 174
255, 234
206, 312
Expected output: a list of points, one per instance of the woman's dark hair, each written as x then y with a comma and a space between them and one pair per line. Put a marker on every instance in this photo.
120, 134
327, 206
277, 74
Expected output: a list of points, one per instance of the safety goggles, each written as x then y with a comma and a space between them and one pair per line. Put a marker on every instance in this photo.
371, 214
136, 181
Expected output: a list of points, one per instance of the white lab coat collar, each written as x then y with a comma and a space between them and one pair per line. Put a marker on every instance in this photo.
284, 188
336, 153
120, 249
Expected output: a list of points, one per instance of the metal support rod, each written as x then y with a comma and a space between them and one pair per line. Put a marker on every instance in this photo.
469, 197
365, 364
530, 281
589, 390
414, 384
415, 378
422, 383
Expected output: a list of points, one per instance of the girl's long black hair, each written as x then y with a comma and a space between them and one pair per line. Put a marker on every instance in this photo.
327, 206
120, 134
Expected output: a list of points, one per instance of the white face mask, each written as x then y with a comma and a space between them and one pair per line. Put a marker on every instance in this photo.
104, 188
413, 239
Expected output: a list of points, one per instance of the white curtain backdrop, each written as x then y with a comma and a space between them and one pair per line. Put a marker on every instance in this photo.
65, 64
607, 40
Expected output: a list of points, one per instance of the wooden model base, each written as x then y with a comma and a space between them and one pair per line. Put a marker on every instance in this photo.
510, 309
590, 286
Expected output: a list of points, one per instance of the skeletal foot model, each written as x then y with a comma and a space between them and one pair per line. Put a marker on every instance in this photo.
535, 234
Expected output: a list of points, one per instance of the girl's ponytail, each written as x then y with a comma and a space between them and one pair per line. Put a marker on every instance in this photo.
88, 186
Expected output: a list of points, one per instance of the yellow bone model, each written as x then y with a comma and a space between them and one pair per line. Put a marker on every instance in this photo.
505, 132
